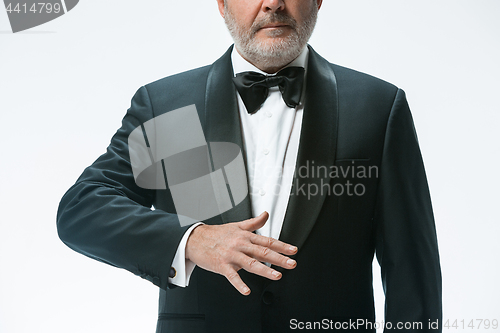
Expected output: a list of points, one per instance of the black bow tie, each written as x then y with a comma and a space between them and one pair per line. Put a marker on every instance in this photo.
254, 87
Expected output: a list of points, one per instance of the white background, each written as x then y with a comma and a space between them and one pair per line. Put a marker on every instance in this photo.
65, 85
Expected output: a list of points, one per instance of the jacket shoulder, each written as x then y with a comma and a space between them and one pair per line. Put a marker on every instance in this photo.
178, 90
179, 80
362, 82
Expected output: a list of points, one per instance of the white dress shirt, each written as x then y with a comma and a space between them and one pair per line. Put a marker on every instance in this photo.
271, 142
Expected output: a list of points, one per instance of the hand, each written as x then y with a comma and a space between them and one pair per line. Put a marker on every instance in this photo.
227, 248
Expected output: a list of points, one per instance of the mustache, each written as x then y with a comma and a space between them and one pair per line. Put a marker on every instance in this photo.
275, 18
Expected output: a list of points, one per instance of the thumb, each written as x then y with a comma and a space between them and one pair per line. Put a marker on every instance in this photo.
254, 223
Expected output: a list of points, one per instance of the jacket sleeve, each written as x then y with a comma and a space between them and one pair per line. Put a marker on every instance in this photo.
406, 241
106, 216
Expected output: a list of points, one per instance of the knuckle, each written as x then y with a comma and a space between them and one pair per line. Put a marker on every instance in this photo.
220, 267
252, 262
253, 238
265, 251
231, 276
235, 242
224, 254
270, 242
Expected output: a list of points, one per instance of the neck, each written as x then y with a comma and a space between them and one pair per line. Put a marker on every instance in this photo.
265, 67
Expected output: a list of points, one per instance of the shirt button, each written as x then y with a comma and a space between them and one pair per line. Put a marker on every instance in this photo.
266, 151
269, 114
262, 192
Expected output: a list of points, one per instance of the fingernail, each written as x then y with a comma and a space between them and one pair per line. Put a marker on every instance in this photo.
292, 248
290, 262
276, 273
246, 290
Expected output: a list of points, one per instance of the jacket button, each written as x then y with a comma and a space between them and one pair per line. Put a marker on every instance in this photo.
267, 297
156, 281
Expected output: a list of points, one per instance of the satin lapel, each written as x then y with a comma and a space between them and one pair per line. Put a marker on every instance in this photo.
222, 123
317, 145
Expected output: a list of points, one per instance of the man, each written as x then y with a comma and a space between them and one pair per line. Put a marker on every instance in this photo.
350, 183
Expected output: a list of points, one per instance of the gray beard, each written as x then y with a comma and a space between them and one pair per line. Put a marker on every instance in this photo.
277, 54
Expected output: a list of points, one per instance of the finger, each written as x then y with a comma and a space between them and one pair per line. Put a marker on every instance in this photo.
254, 266
273, 244
265, 254
254, 223
234, 278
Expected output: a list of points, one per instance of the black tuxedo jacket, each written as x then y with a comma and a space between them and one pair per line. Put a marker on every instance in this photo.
351, 121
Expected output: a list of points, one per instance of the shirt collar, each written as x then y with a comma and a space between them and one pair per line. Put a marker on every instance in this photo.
241, 65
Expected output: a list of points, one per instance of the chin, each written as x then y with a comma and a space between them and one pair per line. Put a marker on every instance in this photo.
271, 52
278, 50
